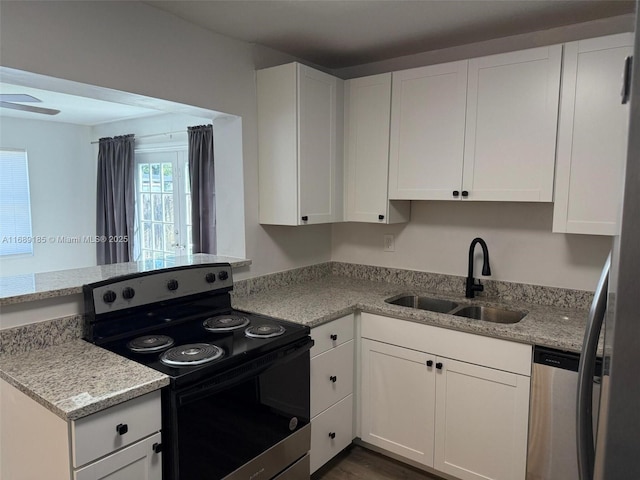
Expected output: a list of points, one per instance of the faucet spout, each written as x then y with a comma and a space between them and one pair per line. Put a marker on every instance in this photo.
471, 285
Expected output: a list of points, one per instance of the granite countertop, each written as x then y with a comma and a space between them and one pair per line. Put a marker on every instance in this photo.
319, 301
38, 286
77, 378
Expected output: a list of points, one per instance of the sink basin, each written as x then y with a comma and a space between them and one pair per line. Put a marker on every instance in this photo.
490, 314
423, 303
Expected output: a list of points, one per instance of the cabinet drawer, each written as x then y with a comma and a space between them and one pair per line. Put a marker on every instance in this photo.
336, 420
331, 377
97, 434
137, 461
323, 336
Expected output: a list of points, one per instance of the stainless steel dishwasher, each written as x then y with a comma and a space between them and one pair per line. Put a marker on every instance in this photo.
552, 451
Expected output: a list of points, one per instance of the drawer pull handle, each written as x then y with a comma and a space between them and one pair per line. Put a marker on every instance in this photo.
333, 378
157, 447
332, 435
429, 363
334, 337
122, 428
439, 365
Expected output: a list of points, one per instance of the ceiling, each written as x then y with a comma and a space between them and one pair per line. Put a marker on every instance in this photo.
334, 34
73, 109
342, 33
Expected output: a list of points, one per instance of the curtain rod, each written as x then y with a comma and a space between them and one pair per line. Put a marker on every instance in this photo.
149, 135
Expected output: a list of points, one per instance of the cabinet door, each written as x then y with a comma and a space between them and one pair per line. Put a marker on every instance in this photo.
512, 113
398, 400
137, 461
427, 132
367, 120
317, 145
481, 422
592, 136
278, 145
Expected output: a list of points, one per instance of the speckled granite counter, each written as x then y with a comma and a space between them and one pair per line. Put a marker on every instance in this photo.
318, 301
76, 379
38, 286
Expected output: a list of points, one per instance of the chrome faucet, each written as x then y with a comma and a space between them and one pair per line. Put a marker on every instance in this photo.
473, 287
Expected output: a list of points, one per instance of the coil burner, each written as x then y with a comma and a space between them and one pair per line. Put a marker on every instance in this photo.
191, 354
150, 343
225, 323
265, 330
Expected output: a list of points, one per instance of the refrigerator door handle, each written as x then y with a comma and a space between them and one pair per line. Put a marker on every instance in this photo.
586, 372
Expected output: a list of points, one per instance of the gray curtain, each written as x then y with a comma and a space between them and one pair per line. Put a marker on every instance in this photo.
116, 199
201, 173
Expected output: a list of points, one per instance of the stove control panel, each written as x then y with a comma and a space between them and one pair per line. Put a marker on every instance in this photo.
157, 286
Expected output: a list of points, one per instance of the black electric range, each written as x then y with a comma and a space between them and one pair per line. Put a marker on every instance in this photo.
223, 363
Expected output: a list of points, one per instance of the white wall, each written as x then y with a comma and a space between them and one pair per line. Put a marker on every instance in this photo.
158, 55
58, 155
161, 56
522, 248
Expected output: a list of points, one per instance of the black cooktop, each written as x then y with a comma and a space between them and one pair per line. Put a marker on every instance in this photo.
184, 315
237, 347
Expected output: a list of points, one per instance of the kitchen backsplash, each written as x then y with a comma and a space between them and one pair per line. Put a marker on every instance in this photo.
57, 331
40, 335
437, 282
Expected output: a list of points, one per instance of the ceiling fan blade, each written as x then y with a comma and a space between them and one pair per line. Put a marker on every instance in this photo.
29, 108
18, 97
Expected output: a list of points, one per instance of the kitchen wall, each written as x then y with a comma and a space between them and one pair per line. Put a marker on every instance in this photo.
522, 248
58, 154
161, 56
158, 55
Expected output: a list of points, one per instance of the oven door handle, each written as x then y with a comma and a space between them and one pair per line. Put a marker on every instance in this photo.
243, 372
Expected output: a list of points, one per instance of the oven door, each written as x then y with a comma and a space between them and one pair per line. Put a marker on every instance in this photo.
250, 422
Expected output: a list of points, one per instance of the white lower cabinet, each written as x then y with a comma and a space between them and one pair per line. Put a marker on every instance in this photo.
332, 367
481, 422
331, 432
466, 417
119, 443
138, 461
398, 400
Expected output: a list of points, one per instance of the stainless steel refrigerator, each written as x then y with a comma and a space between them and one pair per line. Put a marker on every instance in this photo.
617, 437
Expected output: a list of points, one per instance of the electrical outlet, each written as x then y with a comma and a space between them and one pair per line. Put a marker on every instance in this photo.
389, 243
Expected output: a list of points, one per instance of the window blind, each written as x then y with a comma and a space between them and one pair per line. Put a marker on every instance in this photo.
15, 204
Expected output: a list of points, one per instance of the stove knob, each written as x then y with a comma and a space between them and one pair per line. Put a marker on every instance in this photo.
210, 277
109, 296
223, 275
128, 293
172, 285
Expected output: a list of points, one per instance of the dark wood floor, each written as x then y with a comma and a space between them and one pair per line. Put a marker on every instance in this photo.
357, 463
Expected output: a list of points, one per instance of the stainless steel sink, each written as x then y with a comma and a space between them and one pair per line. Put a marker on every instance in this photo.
423, 303
490, 314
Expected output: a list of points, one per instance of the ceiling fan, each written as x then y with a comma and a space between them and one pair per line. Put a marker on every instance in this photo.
7, 100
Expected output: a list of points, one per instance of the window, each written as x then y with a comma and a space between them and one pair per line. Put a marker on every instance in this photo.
163, 204
15, 204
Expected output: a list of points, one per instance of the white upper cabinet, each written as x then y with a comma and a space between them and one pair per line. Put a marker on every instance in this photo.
512, 115
299, 145
482, 129
427, 132
592, 136
367, 118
